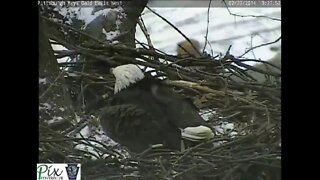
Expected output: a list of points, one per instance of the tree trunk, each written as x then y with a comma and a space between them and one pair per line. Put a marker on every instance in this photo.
126, 20
53, 97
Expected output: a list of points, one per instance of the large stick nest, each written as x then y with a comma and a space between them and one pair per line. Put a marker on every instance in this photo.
251, 149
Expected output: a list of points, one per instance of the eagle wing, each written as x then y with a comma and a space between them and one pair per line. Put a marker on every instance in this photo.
137, 129
182, 113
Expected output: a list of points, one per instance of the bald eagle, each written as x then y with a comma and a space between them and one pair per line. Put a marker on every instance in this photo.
144, 112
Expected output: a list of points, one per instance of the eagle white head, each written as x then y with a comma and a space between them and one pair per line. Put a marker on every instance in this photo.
126, 75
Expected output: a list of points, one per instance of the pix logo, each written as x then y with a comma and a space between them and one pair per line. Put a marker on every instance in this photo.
58, 171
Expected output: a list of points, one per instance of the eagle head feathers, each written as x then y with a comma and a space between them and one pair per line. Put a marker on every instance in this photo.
126, 75
172, 115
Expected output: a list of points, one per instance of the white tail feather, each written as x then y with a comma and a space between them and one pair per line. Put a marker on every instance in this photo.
198, 133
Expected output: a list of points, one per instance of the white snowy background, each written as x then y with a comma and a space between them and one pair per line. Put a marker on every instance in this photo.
224, 29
